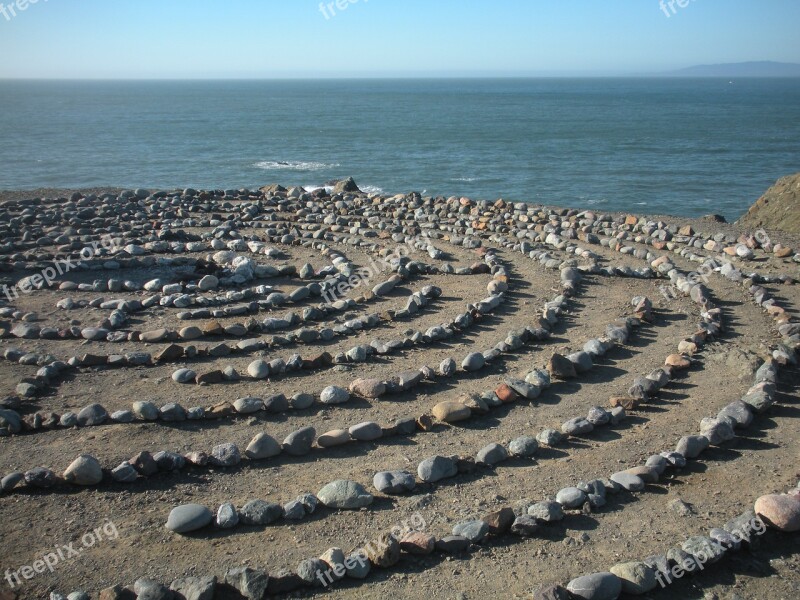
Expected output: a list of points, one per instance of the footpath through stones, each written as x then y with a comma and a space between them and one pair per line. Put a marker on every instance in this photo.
275, 391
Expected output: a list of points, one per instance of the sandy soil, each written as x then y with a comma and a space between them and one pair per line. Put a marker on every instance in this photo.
729, 479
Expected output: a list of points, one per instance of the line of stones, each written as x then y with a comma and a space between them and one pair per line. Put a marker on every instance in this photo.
96, 415
226, 455
343, 494
388, 548
121, 309
258, 512
261, 369
175, 352
638, 578
264, 446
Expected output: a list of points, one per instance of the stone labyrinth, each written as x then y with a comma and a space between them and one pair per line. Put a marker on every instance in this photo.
273, 392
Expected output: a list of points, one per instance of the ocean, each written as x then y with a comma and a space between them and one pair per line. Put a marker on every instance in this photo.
685, 147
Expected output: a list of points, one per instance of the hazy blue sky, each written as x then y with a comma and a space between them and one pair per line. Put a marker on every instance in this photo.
293, 38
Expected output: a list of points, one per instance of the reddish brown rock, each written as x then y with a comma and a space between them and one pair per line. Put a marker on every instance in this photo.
782, 512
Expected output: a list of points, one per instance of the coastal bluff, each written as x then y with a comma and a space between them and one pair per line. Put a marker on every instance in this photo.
778, 208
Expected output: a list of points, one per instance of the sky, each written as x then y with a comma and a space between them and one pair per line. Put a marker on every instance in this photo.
198, 39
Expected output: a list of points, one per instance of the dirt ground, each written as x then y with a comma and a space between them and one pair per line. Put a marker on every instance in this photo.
723, 485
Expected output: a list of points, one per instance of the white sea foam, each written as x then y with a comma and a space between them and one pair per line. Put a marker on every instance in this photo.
466, 179
293, 165
371, 189
367, 189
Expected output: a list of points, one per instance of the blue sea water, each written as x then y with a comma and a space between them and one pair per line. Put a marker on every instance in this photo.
660, 146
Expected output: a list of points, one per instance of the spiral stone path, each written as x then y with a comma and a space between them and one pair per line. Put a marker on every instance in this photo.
276, 392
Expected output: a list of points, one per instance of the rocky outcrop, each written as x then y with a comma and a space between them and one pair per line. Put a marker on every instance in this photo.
778, 208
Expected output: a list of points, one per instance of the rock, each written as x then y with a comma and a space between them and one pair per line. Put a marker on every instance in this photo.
737, 413
208, 283
549, 437
116, 592
298, 443
94, 414
560, 367
597, 586
704, 549
334, 558
492, 455
453, 544
260, 512
628, 481
366, 432
474, 531
717, 432
647, 474
598, 416
262, 446
546, 512
436, 468
314, 571
10, 481
525, 526
571, 497
225, 455
394, 482
10, 422
336, 437
384, 552
124, 473
194, 588
146, 589
357, 565
184, 376
247, 406
499, 521
144, 464
637, 578
692, 446
250, 583
678, 362
525, 446
172, 413
258, 369
577, 426
146, 411
473, 362
781, 512
189, 517
553, 592
368, 388
123, 416
227, 516
334, 395
447, 368
343, 494
451, 411
40, 477
417, 543
301, 401
681, 508
84, 470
